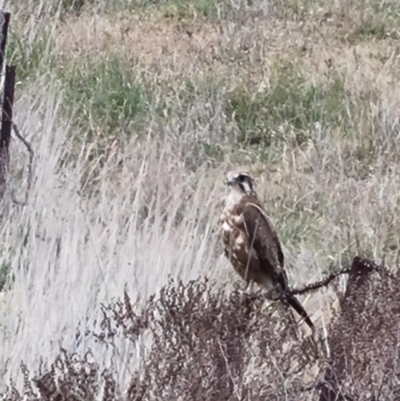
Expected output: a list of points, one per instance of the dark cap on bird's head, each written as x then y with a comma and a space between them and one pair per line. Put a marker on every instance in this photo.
240, 180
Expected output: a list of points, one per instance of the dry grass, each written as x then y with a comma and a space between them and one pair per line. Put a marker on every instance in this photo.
69, 252
134, 117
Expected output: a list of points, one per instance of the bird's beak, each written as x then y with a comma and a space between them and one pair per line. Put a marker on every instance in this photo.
230, 182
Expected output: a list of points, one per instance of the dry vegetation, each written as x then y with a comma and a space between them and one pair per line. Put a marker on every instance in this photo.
135, 109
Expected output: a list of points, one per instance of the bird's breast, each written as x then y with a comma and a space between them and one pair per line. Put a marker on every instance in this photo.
226, 227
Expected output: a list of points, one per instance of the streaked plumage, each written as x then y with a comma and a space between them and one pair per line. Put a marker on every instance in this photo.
251, 241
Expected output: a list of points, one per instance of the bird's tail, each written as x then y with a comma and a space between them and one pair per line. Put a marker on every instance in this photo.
292, 300
296, 305
286, 312
287, 300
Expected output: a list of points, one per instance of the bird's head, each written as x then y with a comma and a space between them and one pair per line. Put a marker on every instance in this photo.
240, 181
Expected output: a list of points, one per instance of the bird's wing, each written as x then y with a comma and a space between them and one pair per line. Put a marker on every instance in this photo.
263, 238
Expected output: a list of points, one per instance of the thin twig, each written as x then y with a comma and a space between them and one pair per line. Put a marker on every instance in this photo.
30, 164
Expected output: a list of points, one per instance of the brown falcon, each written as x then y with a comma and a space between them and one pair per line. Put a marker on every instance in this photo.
251, 242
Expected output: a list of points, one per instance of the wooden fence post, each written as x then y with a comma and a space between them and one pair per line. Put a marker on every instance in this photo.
7, 103
4, 22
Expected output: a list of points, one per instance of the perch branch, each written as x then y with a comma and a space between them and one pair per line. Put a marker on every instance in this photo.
310, 287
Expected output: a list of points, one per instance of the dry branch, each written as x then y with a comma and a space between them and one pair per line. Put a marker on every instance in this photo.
30, 164
310, 287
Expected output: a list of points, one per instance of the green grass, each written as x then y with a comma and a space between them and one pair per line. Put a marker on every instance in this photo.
172, 9
295, 111
73, 6
64, 8
357, 20
175, 10
296, 227
377, 26
288, 110
5, 269
33, 56
105, 95
299, 8
181, 9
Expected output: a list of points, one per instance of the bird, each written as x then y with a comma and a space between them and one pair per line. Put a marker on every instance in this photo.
251, 242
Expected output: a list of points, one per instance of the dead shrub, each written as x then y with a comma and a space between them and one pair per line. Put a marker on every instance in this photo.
208, 344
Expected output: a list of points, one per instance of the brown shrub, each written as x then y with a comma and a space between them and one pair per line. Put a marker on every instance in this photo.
205, 345
364, 340
211, 345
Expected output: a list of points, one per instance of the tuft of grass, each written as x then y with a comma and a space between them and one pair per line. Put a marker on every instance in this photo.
289, 109
298, 8
105, 94
5, 269
33, 57
357, 20
371, 29
378, 19
380, 24
181, 9
75, 7
172, 9
59, 9
178, 10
